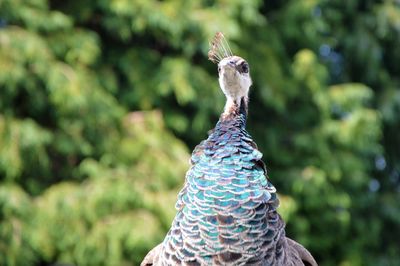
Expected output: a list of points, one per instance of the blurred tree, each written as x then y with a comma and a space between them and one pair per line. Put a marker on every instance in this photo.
85, 181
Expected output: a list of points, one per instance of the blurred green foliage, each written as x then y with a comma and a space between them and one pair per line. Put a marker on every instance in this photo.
101, 101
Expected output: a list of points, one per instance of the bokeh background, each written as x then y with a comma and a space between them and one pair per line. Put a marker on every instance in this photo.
101, 102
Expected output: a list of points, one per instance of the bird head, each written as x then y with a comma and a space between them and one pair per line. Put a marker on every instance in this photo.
234, 74
234, 77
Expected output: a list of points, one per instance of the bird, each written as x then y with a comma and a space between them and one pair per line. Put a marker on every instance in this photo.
227, 208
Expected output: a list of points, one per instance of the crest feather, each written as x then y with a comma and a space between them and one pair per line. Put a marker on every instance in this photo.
219, 48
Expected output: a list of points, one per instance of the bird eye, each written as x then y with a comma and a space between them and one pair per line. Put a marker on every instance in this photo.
245, 68
219, 69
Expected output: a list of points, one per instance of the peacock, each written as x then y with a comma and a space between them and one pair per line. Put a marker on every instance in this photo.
227, 208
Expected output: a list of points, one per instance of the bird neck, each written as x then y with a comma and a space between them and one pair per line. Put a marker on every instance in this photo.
235, 108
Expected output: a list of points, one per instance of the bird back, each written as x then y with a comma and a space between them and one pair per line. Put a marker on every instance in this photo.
227, 208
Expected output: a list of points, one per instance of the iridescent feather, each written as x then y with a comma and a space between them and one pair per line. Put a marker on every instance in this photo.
226, 211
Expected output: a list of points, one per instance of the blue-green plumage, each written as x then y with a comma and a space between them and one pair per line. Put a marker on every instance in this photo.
226, 210
226, 201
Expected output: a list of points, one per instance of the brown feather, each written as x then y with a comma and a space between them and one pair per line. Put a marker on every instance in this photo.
302, 252
219, 48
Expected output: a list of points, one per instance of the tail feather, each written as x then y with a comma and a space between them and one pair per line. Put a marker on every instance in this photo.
152, 257
302, 252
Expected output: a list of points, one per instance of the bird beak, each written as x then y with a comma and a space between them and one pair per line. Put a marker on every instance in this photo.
228, 66
231, 64
226, 62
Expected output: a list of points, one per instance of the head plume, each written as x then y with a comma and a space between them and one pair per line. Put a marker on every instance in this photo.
219, 48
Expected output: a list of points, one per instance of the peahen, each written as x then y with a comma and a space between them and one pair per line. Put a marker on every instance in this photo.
226, 211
